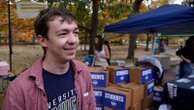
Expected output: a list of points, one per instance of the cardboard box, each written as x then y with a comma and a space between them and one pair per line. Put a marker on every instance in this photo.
118, 74
97, 68
99, 95
137, 92
147, 102
140, 75
108, 108
99, 76
137, 106
117, 99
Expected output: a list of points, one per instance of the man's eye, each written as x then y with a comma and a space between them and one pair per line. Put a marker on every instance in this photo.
61, 34
77, 32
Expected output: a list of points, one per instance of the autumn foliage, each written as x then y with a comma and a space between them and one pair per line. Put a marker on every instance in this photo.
22, 29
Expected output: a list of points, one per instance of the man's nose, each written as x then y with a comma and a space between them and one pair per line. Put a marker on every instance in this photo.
72, 38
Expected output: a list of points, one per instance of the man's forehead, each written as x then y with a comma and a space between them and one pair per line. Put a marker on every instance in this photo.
59, 21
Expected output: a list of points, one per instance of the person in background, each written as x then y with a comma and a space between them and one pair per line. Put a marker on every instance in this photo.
109, 50
186, 53
56, 81
101, 52
162, 46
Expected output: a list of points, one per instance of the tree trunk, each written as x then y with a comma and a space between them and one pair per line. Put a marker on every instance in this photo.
94, 25
136, 6
131, 48
132, 42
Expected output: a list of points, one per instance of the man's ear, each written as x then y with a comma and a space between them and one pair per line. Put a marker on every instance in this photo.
41, 40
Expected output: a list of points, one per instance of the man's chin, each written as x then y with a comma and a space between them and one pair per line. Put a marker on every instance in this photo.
70, 57
67, 59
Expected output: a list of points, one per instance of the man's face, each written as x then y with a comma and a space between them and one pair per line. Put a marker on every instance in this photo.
63, 39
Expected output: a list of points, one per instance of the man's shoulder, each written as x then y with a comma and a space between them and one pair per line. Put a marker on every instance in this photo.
81, 67
22, 79
29, 73
80, 64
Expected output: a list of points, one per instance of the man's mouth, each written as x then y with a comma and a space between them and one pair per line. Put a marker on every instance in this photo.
69, 48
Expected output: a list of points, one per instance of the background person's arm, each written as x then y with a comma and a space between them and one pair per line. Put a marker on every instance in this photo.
107, 54
185, 59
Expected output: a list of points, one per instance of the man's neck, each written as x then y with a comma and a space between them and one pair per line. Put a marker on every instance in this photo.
56, 67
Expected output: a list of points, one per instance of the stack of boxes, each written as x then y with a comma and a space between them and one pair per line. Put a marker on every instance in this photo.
100, 80
118, 74
143, 76
137, 95
117, 99
119, 88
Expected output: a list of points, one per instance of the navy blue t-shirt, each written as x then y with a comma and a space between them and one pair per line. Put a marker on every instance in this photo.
60, 90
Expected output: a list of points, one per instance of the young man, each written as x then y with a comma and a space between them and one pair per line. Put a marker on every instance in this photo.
56, 81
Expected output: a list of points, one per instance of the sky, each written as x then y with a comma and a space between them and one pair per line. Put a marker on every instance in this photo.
147, 2
175, 1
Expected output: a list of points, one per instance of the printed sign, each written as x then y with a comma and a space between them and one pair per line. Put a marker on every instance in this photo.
172, 90
99, 94
114, 100
121, 75
150, 88
146, 75
99, 79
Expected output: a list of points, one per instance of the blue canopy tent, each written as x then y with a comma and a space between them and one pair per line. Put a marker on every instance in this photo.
167, 19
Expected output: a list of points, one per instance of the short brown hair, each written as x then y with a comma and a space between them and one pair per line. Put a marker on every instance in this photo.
41, 22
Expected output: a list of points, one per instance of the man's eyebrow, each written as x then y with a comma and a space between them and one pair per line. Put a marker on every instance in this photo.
66, 30
63, 30
76, 29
